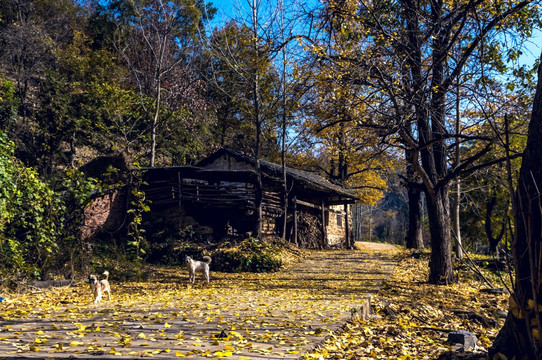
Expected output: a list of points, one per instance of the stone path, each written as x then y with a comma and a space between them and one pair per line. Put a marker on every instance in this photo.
237, 316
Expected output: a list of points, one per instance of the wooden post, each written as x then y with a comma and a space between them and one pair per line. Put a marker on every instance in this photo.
294, 213
179, 188
180, 195
349, 244
324, 229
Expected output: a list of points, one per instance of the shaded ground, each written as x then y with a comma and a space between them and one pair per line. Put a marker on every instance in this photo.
239, 316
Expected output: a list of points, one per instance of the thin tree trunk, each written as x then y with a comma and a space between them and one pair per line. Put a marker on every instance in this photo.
294, 225
283, 132
155, 122
153, 137
257, 119
456, 220
457, 183
258, 191
284, 200
324, 227
348, 236
284, 194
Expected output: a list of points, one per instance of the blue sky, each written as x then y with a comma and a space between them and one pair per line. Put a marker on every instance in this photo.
534, 47
230, 8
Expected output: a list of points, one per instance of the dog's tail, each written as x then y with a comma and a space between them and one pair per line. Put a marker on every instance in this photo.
207, 259
106, 275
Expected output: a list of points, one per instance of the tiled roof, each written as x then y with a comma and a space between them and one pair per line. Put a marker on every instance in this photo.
310, 178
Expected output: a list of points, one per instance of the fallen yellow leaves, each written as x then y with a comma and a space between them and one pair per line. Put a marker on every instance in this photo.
241, 316
411, 318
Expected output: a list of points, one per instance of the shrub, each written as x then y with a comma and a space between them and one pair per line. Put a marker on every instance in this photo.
251, 255
28, 210
39, 225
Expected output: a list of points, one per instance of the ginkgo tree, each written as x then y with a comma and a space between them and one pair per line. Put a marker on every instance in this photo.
346, 152
406, 59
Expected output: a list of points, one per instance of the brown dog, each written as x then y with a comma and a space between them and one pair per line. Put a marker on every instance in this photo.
100, 287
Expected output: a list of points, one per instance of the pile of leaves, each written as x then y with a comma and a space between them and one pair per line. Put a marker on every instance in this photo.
411, 319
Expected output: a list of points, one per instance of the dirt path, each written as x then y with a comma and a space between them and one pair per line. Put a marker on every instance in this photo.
238, 316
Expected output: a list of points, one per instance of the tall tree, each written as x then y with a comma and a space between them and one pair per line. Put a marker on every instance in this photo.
245, 61
520, 336
230, 60
406, 53
155, 39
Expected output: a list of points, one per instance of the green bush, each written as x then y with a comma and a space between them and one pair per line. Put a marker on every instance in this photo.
251, 255
29, 209
39, 225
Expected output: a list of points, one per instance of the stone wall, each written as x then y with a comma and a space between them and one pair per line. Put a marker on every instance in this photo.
96, 214
336, 225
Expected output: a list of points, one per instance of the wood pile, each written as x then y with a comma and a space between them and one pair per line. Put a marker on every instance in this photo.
309, 231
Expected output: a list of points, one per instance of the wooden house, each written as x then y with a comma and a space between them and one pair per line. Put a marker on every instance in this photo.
217, 198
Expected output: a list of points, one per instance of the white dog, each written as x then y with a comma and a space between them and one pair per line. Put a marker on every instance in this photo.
195, 265
100, 287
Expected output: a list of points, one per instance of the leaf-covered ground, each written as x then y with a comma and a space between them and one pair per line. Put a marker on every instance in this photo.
411, 319
238, 316
259, 316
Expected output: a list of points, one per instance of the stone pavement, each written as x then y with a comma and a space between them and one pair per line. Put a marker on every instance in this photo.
237, 316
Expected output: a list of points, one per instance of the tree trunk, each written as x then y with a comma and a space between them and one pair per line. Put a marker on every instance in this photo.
438, 207
294, 220
456, 219
414, 236
258, 200
284, 206
457, 184
283, 143
154, 122
522, 331
324, 228
347, 235
257, 119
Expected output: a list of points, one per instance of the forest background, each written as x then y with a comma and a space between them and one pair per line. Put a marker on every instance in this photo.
422, 107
